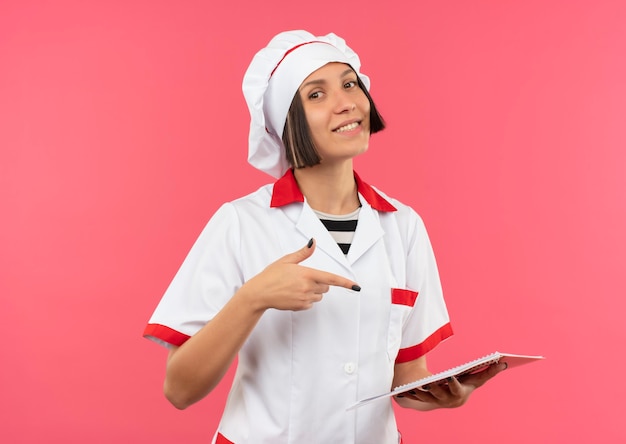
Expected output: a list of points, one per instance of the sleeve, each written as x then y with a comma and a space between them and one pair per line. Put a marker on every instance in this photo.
428, 322
207, 279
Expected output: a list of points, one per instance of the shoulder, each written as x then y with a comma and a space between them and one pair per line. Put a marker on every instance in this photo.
252, 212
253, 202
404, 212
229, 215
408, 222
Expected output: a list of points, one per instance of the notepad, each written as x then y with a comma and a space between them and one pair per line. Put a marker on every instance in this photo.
470, 367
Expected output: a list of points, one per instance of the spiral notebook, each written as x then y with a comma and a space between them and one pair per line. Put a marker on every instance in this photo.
474, 366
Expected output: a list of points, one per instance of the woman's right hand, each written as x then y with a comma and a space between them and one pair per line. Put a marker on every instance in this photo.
197, 366
287, 285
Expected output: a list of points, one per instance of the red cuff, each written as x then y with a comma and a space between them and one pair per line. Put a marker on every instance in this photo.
165, 334
416, 351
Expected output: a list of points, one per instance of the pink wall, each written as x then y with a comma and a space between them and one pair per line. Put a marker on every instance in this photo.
122, 128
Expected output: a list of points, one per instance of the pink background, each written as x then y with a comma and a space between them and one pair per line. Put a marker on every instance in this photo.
123, 128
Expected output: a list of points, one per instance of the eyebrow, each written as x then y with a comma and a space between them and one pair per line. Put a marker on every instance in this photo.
322, 81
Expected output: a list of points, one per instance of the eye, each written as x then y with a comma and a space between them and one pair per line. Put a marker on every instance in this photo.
350, 84
315, 95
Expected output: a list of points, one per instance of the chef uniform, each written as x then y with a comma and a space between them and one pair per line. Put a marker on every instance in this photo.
298, 371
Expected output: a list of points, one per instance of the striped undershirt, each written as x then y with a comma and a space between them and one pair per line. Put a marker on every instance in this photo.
341, 227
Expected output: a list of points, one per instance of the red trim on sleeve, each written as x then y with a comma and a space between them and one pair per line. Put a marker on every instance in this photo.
419, 350
287, 191
403, 297
221, 439
165, 334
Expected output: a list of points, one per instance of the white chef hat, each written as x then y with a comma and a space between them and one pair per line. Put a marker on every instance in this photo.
271, 81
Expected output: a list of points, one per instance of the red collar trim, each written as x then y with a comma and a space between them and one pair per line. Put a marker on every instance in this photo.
286, 191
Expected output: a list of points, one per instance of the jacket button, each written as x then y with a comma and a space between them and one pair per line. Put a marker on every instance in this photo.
349, 367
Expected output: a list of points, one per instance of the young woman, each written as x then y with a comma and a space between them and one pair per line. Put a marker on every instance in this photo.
325, 288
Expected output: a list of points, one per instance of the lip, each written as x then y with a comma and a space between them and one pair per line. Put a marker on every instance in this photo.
347, 122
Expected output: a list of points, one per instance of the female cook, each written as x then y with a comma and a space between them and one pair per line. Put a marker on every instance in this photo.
325, 288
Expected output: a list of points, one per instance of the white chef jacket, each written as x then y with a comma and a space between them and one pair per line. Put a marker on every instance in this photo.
298, 371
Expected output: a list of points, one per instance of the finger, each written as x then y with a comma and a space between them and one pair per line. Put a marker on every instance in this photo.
455, 386
323, 277
321, 288
438, 392
417, 395
298, 256
493, 370
316, 297
478, 379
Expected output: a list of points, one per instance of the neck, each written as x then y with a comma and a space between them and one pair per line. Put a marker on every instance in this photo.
329, 189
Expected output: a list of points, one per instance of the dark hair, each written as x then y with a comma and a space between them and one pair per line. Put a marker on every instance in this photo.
299, 147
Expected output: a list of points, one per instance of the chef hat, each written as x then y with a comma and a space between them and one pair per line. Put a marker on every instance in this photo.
271, 81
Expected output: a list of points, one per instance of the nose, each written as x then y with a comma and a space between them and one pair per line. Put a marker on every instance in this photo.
344, 102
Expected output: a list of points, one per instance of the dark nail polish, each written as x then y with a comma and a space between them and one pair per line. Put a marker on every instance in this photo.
356, 288
310, 244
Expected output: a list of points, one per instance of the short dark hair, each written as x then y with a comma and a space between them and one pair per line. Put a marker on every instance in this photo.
299, 147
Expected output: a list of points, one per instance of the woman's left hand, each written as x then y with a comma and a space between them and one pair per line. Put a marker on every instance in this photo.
453, 394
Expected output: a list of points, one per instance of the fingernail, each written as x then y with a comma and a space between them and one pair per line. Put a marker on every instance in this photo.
310, 244
356, 288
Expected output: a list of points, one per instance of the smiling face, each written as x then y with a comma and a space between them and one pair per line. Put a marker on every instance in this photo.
337, 112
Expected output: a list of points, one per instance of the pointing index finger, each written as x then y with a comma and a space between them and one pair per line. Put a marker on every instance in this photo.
324, 277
